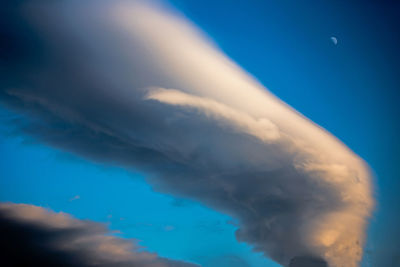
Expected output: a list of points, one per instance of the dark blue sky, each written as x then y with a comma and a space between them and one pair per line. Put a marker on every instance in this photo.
351, 89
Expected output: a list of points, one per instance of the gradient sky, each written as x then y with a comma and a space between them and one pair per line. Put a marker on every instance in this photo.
351, 89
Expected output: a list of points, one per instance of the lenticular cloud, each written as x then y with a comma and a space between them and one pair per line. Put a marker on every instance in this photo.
134, 84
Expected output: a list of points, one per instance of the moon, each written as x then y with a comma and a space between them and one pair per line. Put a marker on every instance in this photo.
334, 40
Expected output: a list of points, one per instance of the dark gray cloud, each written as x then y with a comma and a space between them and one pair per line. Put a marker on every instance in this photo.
304, 261
34, 236
130, 84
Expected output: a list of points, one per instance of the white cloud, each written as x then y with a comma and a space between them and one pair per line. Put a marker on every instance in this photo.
218, 136
261, 128
74, 198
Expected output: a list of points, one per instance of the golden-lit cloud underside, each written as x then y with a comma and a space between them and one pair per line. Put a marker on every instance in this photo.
137, 85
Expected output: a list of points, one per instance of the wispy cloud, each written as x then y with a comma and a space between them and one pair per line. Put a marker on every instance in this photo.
74, 198
217, 136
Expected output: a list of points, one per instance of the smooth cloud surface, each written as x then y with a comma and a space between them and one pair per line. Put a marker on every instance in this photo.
131, 84
34, 236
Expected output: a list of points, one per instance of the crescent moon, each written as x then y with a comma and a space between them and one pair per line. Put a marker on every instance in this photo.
334, 40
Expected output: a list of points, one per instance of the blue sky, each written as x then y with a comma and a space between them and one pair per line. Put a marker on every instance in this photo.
174, 228
351, 89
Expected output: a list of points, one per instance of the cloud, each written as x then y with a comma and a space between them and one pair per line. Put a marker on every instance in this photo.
169, 228
136, 85
75, 198
240, 121
34, 236
307, 262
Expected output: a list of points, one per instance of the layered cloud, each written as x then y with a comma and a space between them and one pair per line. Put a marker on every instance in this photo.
261, 128
134, 84
34, 236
